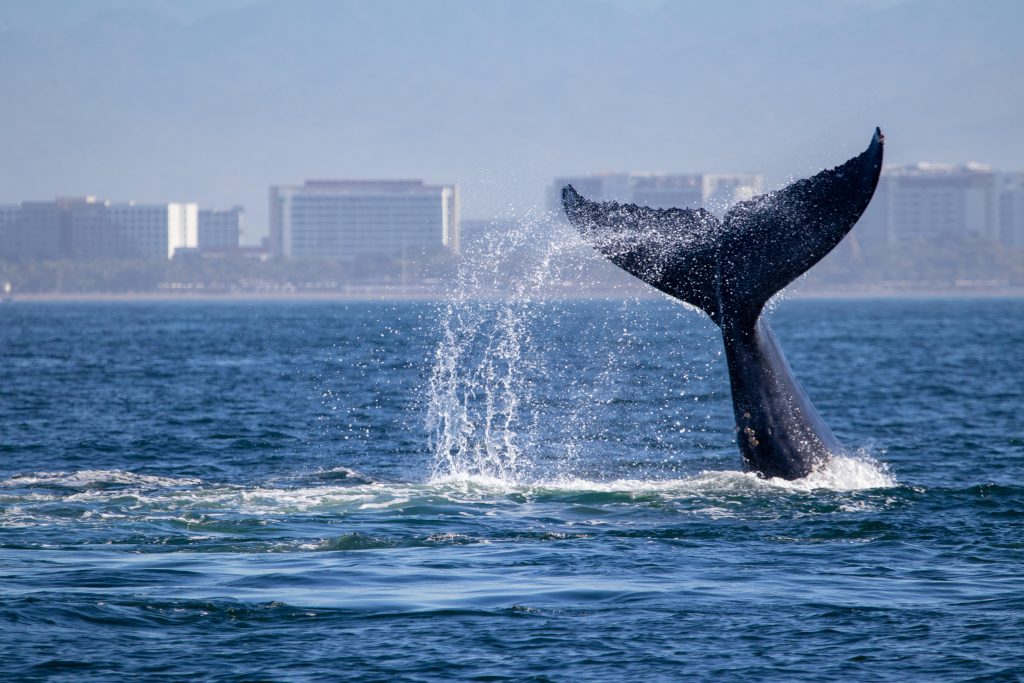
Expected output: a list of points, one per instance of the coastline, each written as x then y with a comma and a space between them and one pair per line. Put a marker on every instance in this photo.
387, 294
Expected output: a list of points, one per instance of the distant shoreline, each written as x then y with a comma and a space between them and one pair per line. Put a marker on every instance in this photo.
393, 295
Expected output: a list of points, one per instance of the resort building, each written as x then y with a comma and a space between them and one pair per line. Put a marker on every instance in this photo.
83, 228
8, 214
220, 229
715, 192
1011, 209
156, 230
917, 202
934, 202
352, 219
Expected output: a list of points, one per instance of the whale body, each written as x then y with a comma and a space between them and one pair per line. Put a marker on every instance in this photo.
729, 269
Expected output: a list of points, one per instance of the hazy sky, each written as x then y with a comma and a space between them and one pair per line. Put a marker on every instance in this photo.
199, 100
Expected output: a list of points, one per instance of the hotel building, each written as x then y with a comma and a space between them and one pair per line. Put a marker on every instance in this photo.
917, 202
934, 202
219, 229
1011, 210
82, 228
352, 219
713, 191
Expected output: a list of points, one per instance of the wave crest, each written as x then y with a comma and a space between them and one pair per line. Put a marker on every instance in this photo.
89, 479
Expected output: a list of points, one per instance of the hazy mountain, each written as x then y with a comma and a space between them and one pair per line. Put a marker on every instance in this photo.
160, 100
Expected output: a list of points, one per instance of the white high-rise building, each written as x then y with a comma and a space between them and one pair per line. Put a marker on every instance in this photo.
156, 230
352, 219
932, 202
84, 228
715, 192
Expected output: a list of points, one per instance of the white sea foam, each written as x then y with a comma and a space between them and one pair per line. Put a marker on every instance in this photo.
88, 478
845, 473
841, 473
394, 502
465, 482
169, 497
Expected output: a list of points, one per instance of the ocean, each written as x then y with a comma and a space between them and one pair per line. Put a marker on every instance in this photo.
492, 490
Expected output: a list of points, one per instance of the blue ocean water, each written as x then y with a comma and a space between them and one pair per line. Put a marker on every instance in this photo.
478, 490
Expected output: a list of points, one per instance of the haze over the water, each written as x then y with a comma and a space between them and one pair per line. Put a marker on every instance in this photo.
160, 100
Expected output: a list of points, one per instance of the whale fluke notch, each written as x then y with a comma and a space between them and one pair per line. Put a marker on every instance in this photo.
730, 269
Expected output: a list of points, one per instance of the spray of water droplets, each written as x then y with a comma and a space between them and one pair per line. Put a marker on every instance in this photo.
527, 385
485, 366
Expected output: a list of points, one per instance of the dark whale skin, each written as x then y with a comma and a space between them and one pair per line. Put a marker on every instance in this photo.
730, 269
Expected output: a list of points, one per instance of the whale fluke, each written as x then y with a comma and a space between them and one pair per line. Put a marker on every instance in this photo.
734, 266
730, 269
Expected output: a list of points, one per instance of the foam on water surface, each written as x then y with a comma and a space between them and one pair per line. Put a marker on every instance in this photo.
30, 498
94, 478
841, 473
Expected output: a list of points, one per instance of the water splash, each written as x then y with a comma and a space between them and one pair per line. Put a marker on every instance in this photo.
858, 472
486, 365
506, 407
531, 388
846, 473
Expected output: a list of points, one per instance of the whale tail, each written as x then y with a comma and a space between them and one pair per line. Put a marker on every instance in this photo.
731, 268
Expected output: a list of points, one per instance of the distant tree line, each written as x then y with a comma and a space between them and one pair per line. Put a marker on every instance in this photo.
952, 263
217, 275
852, 266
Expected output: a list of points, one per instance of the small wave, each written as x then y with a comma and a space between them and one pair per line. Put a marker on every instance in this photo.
468, 483
84, 479
330, 476
841, 473
346, 474
333, 475
117, 494
355, 541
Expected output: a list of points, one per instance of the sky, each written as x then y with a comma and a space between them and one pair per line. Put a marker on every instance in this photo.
214, 101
